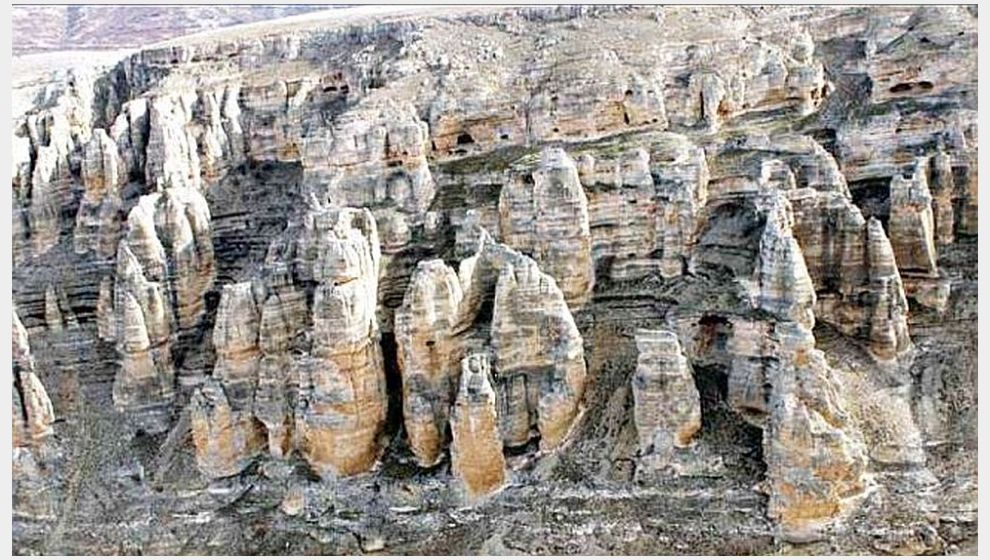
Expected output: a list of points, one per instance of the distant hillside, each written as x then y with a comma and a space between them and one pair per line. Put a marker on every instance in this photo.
53, 28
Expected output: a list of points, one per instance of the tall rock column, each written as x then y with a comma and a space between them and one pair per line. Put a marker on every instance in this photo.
235, 340
943, 189
283, 316
815, 461
476, 449
164, 269
912, 228
547, 216
33, 413
342, 399
667, 405
428, 360
99, 219
32, 430
851, 263
888, 320
539, 355
225, 432
912, 234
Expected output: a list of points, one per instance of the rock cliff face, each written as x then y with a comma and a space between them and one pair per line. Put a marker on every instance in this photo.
588, 260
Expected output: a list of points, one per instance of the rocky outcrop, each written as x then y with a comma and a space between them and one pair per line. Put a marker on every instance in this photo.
310, 375
912, 226
815, 460
427, 356
33, 419
226, 440
846, 258
164, 268
45, 142
912, 232
100, 216
283, 316
667, 408
851, 264
476, 447
546, 215
784, 285
538, 353
942, 185
778, 380
745, 77
343, 406
32, 413
671, 199
172, 156
644, 204
226, 434
235, 341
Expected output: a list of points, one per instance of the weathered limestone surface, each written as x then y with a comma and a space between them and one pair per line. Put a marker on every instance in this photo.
667, 407
777, 379
427, 356
912, 225
235, 340
815, 460
546, 215
270, 230
538, 352
476, 447
32, 412
100, 217
165, 266
226, 440
33, 416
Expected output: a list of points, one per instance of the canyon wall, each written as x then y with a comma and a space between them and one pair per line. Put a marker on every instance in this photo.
434, 241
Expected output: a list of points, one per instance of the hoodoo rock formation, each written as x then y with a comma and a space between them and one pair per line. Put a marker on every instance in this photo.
428, 356
476, 447
667, 407
546, 215
320, 285
165, 266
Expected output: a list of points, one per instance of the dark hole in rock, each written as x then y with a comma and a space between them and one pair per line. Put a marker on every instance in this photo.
393, 383
900, 88
464, 139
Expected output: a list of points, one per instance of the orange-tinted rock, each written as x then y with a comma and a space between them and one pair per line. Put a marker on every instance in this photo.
476, 448
226, 440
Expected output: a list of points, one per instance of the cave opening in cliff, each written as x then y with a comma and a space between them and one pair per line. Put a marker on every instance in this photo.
723, 427
872, 197
730, 239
